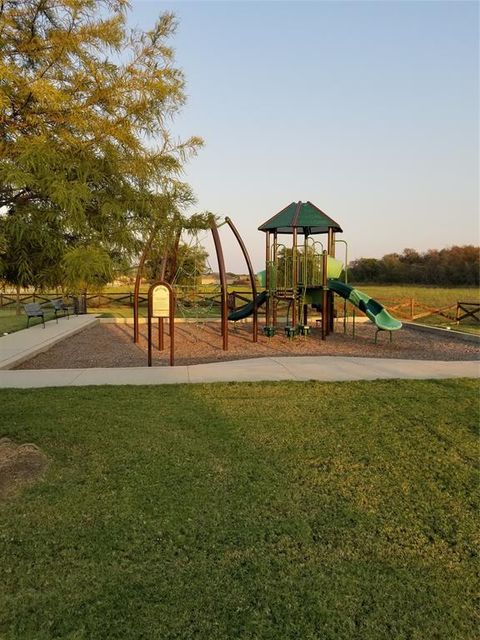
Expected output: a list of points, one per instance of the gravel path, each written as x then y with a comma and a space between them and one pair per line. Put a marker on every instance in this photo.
111, 345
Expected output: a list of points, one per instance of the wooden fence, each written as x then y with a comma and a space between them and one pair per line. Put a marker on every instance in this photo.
404, 308
468, 310
411, 309
10, 299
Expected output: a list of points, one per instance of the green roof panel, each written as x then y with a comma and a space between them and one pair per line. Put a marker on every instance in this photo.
303, 216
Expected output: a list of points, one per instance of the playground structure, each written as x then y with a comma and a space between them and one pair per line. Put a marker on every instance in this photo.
304, 275
299, 274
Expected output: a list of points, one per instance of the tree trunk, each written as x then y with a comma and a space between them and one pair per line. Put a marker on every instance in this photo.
18, 311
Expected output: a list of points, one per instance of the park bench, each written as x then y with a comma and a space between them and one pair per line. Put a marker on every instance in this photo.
60, 307
34, 310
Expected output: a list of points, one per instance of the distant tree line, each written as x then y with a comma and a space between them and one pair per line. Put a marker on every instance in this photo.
455, 266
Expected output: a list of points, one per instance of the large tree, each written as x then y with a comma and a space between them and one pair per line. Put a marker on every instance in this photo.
86, 157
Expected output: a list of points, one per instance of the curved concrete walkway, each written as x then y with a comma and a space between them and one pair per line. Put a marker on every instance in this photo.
259, 369
23, 345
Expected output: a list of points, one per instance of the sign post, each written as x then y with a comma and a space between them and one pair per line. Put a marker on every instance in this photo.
161, 304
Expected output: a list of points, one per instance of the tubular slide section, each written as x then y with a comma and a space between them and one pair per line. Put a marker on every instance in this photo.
247, 309
373, 309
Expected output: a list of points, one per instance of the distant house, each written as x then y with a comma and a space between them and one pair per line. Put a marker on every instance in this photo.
210, 278
214, 278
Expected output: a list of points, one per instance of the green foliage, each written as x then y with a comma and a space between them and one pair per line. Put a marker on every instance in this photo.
31, 248
85, 153
238, 511
456, 266
173, 260
87, 268
184, 267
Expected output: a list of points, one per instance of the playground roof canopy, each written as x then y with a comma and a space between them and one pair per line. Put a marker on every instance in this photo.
300, 215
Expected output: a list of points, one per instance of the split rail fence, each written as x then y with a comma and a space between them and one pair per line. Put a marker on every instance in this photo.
405, 308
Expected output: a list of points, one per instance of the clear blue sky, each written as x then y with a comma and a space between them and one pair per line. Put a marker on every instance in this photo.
368, 109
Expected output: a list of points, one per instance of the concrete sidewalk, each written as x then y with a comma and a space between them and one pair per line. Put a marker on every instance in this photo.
23, 345
326, 368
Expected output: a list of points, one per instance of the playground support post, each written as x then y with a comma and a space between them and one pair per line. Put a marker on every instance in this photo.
251, 275
138, 277
275, 263
305, 260
331, 312
267, 278
223, 283
294, 275
161, 345
331, 242
325, 321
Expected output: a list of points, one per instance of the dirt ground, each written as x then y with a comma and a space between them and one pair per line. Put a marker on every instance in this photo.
19, 465
111, 345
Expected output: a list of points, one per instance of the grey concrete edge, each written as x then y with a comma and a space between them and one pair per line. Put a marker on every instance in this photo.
460, 336
45, 346
264, 370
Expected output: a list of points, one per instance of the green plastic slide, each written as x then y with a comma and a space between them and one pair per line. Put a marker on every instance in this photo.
247, 309
373, 309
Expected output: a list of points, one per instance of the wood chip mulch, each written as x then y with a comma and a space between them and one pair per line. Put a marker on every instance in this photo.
20, 464
111, 345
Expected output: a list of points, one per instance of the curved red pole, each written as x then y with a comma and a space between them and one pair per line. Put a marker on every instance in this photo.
223, 282
250, 273
138, 277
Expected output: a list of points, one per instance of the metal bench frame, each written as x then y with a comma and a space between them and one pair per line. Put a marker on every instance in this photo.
34, 310
59, 306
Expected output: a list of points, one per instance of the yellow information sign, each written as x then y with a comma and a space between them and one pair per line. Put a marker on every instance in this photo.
160, 301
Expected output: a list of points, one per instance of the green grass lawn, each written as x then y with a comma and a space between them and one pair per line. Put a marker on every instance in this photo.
432, 296
244, 511
10, 322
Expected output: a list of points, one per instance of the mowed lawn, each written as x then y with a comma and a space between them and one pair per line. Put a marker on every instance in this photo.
275, 510
10, 321
431, 296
